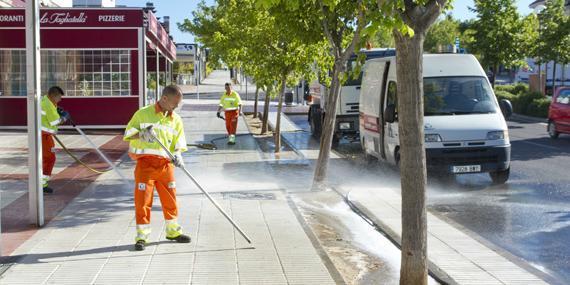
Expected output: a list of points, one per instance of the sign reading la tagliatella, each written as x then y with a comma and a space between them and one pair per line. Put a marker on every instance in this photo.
75, 18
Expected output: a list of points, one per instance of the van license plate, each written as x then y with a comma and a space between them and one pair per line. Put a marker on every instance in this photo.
467, 168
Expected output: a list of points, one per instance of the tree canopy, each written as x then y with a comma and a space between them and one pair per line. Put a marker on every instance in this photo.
501, 35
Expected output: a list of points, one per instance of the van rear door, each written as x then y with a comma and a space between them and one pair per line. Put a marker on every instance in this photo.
382, 126
391, 140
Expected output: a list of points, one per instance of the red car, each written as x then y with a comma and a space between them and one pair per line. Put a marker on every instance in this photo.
559, 113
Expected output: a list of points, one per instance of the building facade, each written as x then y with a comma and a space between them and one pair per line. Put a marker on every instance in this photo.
192, 53
110, 62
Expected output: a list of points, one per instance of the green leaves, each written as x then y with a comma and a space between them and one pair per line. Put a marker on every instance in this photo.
499, 33
442, 33
554, 33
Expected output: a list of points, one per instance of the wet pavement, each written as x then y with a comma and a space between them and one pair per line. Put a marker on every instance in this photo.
527, 220
300, 236
295, 234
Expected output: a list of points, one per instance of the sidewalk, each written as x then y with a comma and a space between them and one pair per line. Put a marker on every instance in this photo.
68, 177
214, 83
213, 86
91, 240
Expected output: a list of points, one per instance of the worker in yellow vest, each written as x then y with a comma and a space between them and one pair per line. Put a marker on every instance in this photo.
230, 102
154, 167
51, 119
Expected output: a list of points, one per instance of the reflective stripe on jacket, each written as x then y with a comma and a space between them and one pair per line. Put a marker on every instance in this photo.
169, 129
50, 117
230, 102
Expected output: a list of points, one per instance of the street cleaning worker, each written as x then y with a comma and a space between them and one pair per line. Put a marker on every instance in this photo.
154, 167
231, 104
51, 118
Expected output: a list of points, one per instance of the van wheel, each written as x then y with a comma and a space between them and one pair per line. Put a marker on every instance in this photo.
552, 130
368, 158
397, 157
335, 141
316, 122
500, 177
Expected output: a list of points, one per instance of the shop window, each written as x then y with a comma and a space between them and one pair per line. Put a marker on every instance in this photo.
79, 72
12, 73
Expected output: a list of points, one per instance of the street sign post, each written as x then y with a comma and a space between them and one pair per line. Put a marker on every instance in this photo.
35, 191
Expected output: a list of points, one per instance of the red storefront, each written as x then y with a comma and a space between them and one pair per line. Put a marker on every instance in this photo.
106, 60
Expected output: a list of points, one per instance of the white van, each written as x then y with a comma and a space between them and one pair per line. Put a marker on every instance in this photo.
465, 131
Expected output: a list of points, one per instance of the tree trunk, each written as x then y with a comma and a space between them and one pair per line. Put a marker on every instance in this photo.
540, 79
495, 71
328, 127
409, 61
277, 133
545, 77
554, 78
256, 101
563, 74
266, 109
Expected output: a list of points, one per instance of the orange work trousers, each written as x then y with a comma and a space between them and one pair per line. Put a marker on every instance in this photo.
151, 172
48, 154
232, 121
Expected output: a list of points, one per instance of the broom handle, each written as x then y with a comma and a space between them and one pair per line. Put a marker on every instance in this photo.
200, 187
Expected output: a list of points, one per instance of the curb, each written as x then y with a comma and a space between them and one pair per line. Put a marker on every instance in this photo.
433, 270
285, 140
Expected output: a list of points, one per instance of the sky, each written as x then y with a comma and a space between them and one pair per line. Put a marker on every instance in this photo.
178, 10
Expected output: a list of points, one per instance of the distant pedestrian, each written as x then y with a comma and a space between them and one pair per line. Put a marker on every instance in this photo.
52, 117
154, 166
230, 102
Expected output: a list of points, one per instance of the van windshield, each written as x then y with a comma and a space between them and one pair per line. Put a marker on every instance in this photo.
458, 96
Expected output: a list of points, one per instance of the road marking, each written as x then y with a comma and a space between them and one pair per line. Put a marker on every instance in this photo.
538, 144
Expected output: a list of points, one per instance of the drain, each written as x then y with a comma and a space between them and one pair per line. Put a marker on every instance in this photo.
249, 196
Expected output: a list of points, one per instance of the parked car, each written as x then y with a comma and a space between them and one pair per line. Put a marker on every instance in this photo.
559, 113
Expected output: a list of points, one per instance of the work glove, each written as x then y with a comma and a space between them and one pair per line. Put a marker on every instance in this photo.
178, 161
219, 115
145, 135
64, 115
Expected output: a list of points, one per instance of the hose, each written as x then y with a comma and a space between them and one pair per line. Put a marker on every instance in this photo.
78, 160
207, 146
212, 144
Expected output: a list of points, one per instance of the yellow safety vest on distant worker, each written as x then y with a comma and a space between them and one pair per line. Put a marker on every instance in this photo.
168, 128
230, 102
50, 117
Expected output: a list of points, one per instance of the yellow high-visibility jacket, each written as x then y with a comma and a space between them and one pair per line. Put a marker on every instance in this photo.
168, 128
230, 102
50, 117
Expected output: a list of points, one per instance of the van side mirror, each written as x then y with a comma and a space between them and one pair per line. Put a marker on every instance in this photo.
390, 113
506, 108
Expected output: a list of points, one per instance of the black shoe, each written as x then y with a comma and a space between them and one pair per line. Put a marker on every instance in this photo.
48, 190
180, 239
140, 245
